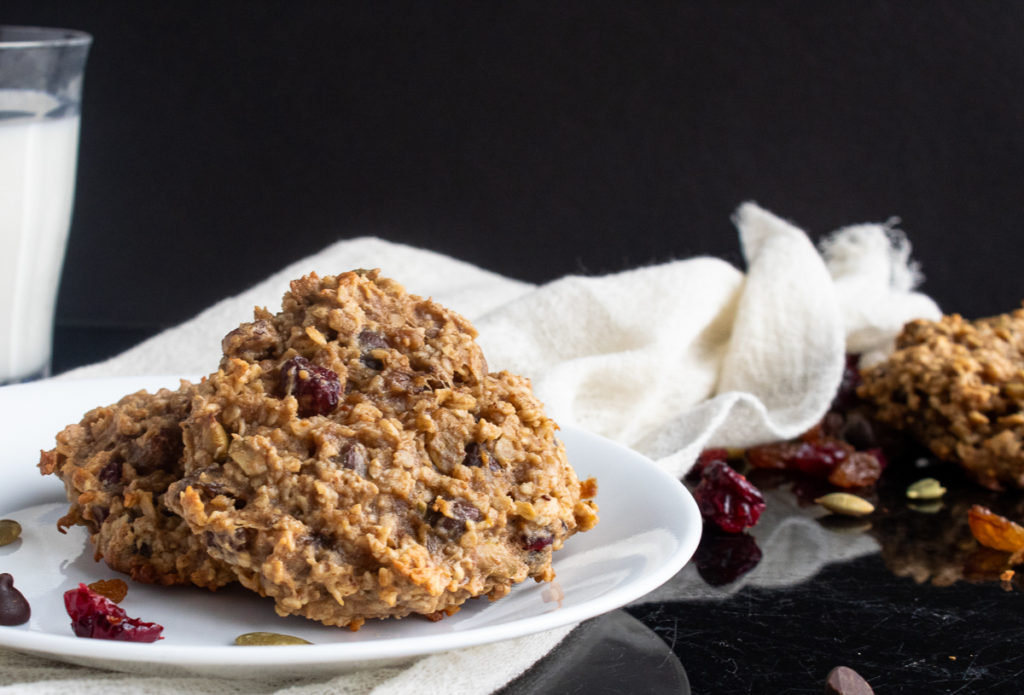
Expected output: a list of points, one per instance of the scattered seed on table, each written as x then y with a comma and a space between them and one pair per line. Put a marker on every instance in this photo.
846, 504
926, 489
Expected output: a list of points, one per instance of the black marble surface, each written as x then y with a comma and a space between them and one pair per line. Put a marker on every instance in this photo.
222, 140
905, 596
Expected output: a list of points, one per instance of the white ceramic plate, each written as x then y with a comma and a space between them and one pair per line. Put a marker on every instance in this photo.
649, 528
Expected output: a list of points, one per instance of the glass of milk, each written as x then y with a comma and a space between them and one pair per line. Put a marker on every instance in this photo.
41, 74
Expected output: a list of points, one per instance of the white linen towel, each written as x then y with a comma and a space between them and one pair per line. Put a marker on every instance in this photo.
666, 359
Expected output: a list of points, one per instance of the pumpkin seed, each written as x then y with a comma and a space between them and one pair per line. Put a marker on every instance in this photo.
261, 639
926, 489
846, 504
10, 531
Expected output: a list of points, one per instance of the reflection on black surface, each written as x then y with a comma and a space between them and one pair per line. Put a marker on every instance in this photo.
932, 542
611, 654
906, 596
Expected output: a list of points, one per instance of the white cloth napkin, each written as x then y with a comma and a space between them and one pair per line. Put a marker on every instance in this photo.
667, 359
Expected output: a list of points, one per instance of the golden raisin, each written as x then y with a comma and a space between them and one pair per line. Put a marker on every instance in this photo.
114, 589
995, 531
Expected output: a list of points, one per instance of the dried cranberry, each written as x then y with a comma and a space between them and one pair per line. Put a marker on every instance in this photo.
722, 558
706, 456
535, 542
727, 499
817, 457
96, 616
317, 389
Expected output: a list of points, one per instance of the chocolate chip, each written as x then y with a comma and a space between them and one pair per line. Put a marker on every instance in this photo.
372, 362
353, 457
14, 609
372, 340
110, 474
473, 456
843, 680
455, 525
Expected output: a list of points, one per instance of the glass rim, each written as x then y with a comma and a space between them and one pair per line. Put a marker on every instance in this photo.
42, 37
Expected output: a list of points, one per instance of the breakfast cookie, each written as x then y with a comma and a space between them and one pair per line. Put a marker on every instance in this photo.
353, 458
958, 386
116, 465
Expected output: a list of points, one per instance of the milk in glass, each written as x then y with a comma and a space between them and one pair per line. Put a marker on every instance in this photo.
38, 151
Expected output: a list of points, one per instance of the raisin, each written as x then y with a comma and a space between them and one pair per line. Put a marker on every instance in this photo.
98, 617
727, 499
860, 469
995, 531
317, 389
14, 608
722, 558
114, 589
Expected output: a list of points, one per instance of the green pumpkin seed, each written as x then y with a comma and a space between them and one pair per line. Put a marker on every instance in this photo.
10, 531
262, 639
846, 504
926, 489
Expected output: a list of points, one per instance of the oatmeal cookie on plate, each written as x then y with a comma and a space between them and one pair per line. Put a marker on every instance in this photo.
353, 458
116, 465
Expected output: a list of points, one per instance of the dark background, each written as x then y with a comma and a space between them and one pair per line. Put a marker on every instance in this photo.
222, 140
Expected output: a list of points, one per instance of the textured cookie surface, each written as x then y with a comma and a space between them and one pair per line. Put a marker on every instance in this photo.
116, 465
353, 459
958, 386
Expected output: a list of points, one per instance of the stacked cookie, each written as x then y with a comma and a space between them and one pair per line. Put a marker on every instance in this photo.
352, 458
